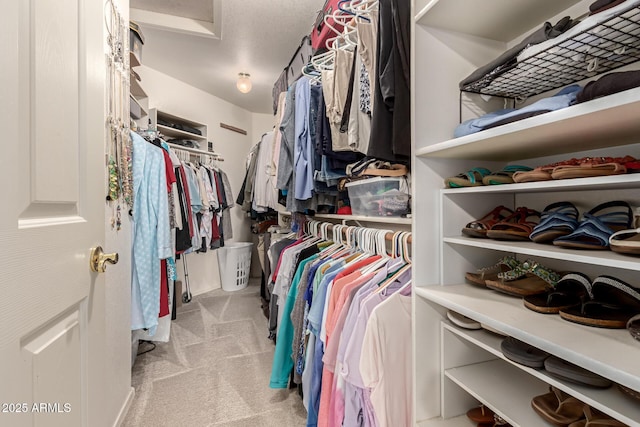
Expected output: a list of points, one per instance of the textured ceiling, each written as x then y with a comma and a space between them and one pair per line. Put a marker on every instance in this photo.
258, 37
201, 10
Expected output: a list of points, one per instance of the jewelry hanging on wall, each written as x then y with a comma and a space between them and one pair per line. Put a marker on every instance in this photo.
119, 145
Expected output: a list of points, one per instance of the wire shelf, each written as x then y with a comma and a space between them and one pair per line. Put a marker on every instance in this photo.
597, 49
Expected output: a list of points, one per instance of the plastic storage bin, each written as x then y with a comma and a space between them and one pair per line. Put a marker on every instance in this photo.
382, 196
234, 260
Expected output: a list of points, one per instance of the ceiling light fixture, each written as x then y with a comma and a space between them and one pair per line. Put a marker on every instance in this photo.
244, 82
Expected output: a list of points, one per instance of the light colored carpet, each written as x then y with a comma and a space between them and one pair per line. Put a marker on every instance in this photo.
214, 371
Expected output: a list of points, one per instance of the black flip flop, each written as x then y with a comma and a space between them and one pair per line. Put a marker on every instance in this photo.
571, 290
614, 303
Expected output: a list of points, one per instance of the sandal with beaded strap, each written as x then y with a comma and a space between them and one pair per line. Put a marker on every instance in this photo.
528, 278
480, 277
479, 227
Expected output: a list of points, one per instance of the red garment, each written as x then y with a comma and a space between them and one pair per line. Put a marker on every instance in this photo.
164, 289
168, 165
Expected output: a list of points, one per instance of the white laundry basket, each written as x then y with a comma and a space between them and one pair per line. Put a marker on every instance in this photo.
234, 260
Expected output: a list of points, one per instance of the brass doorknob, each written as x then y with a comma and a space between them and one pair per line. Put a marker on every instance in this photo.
98, 260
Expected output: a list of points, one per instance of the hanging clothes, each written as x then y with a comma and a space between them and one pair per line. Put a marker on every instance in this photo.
151, 239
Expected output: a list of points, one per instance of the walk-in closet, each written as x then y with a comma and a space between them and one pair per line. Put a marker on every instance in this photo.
214, 206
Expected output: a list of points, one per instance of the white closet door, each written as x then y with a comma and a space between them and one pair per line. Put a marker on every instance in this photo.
52, 77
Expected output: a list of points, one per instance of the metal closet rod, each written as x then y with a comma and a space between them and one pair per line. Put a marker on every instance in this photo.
388, 236
196, 151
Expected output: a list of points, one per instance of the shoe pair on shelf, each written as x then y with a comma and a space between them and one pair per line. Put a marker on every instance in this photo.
559, 224
561, 409
514, 277
580, 168
485, 417
482, 176
532, 357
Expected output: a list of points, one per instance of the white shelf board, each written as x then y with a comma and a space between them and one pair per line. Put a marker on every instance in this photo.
380, 219
613, 182
504, 388
461, 421
177, 133
610, 401
142, 110
492, 19
595, 257
134, 61
603, 351
178, 119
136, 89
573, 129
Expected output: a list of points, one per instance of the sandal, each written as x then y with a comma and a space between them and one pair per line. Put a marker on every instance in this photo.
523, 353
479, 227
626, 241
528, 278
516, 226
481, 276
586, 170
557, 219
614, 303
541, 173
558, 408
480, 414
594, 230
595, 418
471, 178
566, 371
505, 175
570, 291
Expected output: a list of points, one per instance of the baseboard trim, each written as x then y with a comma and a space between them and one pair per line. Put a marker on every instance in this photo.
125, 408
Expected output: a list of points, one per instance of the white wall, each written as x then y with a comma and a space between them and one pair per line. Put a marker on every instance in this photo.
178, 98
118, 299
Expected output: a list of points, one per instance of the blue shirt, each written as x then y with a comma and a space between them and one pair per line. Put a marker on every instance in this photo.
303, 150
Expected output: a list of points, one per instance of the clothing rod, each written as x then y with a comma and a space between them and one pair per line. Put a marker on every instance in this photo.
196, 151
388, 236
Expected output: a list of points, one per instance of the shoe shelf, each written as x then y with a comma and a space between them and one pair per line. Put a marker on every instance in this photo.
502, 387
605, 352
179, 134
612, 182
604, 258
609, 400
576, 128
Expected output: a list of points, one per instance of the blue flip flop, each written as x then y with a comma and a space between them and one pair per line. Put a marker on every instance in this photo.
557, 220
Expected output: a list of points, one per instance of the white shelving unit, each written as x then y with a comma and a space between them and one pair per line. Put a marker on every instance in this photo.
173, 133
456, 369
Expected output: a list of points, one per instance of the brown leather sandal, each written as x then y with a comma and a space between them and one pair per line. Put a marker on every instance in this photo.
517, 226
479, 227
558, 408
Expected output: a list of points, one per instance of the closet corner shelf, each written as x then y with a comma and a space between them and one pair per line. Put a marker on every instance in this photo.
134, 61
602, 258
607, 400
177, 133
604, 122
380, 219
569, 341
612, 182
143, 112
